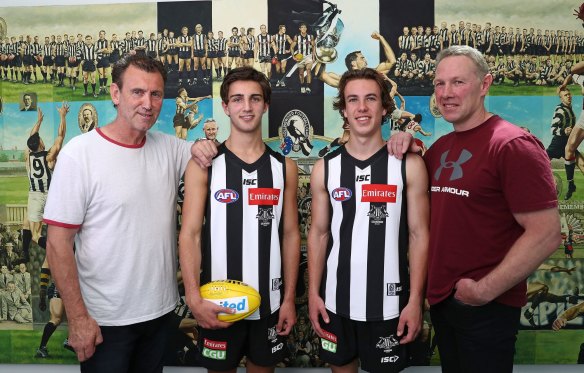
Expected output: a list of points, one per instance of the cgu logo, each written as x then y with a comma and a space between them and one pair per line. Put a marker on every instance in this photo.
226, 195
249, 181
341, 194
214, 354
363, 178
328, 345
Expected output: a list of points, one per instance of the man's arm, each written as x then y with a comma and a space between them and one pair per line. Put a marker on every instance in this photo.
418, 215
190, 248
541, 237
58, 144
290, 249
569, 314
390, 59
84, 333
37, 125
318, 237
330, 78
293, 44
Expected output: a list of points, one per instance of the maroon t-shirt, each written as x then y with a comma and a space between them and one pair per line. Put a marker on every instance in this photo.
478, 179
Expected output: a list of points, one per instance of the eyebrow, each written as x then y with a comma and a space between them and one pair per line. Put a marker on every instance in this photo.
239, 95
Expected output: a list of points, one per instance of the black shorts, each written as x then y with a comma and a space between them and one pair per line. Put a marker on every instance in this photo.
557, 147
151, 54
211, 54
179, 120
88, 66
199, 53
222, 349
374, 342
60, 61
172, 51
234, 53
184, 55
114, 57
248, 54
73, 64
103, 62
220, 54
282, 56
265, 59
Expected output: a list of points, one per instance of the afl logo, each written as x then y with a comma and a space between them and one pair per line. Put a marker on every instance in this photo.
342, 194
226, 195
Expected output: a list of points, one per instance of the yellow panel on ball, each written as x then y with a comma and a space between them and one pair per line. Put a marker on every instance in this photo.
233, 294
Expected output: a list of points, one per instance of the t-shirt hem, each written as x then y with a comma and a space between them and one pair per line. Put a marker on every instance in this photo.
61, 224
102, 322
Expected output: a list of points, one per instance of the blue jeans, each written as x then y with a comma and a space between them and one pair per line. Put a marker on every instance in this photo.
131, 348
475, 339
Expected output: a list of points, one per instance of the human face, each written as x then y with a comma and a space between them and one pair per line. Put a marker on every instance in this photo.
263, 29
363, 108
198, 29
27, 100
87, 117
4, 269
303, 29
11, 287
245, 106
22, 267
360, 62
210, 129
140, 99
460, 92
566, 98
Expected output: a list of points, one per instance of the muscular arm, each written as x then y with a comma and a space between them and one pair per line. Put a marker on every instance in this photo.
290, 249
569, 314
330, 78
37, 125
539, 240
84, 333
318, 237
418, 216
58, 144
390, 59
190, 247
293, 44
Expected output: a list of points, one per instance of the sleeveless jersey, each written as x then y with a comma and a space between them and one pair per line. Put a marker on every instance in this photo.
264, 44
184, 39
243, 224
234, 40
304, 45
281, 42
39, 173
199, 42
222, 44
366, 273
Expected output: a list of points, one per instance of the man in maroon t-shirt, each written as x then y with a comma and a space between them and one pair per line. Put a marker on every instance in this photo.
494, 218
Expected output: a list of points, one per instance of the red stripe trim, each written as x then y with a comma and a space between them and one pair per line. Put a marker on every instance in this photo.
60, 224
132, 146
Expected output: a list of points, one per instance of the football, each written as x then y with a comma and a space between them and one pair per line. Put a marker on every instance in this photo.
233, 294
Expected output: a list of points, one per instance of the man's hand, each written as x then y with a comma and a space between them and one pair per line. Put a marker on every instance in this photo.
316, 308
206, 312
287, 318
401, 142
84, 336
410, 317
468, 292
203, 152
559, 323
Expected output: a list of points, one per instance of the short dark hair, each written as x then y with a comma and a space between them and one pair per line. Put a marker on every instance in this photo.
245, 73
144, 63
350, 58
33, 142
367, 73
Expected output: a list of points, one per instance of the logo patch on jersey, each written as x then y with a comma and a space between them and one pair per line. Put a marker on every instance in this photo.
276, 284
214, 349
226, 195
341, 194
249, 182
387, 343
263, 196
393, 289
377, 214
265, 216
272, 334
329, 342
379, 193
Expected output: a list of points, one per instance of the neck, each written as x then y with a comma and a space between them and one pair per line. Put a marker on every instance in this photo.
122, 134
476, 120
247, 147
363, 147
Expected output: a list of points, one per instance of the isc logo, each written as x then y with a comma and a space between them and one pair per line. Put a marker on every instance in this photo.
389, 359
363, 178
226, 195
249, 181
278, 347
341, 194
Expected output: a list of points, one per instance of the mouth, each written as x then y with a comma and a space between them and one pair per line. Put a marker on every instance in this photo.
363, 119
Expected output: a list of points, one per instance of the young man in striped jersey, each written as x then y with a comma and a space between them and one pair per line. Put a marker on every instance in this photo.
264, 41
365, 299
304, 44
247, 201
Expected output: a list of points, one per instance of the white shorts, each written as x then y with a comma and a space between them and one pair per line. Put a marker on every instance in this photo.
36, 206
580, 122
305, 61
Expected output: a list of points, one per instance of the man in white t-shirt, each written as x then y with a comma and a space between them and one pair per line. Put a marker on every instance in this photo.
119, 209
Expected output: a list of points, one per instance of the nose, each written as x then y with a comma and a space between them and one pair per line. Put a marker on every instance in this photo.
247, 104
361, 106
147, 102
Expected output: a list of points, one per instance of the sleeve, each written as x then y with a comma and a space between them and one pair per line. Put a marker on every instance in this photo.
66, 202
526, 176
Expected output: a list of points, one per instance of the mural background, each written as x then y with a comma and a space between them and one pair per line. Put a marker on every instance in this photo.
554, 288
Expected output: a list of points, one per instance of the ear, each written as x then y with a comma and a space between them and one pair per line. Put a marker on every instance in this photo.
115, 93
266, 106
486, 84
225, 108
344, 113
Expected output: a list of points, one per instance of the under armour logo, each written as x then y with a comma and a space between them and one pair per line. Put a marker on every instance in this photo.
465, 155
